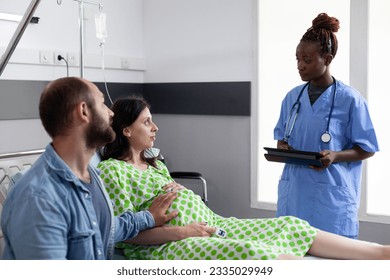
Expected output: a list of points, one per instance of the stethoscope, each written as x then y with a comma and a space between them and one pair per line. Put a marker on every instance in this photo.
325, 137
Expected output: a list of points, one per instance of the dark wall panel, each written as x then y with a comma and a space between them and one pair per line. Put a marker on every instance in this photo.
20, 99
213, 98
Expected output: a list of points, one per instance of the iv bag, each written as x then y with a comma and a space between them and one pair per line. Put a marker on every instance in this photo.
101, 28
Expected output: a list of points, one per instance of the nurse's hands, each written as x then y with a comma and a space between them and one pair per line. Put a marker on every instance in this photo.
328, 157
283, 145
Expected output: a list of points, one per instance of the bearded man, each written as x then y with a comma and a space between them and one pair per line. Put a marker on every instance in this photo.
59, 208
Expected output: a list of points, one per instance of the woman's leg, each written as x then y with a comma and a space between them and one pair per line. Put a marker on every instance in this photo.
332, 246
285, 235
288, 257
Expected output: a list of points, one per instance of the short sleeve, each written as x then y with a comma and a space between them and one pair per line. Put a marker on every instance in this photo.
362, 129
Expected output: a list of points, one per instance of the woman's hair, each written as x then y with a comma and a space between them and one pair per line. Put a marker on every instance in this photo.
126, 111
322, 32
59, 99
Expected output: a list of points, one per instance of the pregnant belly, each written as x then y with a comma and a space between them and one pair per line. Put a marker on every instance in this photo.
191, 208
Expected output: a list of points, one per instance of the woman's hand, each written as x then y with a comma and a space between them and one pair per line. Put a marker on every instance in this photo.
197, 229
173, 187
166, 233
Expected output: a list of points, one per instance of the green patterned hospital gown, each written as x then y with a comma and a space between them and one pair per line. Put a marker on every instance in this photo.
134, 190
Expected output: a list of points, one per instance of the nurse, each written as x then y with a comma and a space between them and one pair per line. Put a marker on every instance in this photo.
327, 116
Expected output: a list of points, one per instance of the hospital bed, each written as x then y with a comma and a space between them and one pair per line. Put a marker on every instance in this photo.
13, 165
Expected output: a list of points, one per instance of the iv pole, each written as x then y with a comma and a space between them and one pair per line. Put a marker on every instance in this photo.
81, 23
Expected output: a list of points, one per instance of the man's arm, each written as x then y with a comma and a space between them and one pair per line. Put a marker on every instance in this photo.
129, 224
36, 229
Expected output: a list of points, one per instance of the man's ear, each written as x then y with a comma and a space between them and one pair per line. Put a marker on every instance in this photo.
83, 111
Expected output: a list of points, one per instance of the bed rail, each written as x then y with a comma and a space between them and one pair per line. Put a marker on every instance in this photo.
21, 154
10, 165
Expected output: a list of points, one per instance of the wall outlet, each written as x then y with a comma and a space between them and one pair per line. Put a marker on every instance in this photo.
60, 62
125, 63
46, 57
73, 59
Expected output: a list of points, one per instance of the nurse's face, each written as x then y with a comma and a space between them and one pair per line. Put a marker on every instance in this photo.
311, 65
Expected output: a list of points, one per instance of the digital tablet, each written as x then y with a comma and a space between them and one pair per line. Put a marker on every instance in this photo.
293, 156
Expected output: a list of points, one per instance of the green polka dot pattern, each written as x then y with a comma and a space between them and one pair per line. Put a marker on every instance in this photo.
133, 190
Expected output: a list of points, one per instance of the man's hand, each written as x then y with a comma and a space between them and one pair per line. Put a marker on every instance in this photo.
160, 206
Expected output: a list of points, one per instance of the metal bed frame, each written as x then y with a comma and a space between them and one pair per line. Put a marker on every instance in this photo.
10, 165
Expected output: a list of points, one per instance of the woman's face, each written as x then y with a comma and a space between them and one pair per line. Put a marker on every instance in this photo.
142, 133
311, 65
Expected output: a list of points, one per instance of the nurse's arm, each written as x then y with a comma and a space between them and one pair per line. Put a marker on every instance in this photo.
349, 155
354, 154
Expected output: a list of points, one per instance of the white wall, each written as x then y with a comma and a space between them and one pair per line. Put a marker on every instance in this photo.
201, 41
58, 31
198, 41
174, 41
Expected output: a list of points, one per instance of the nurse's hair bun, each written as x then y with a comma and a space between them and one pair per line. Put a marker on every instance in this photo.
322, 32
323, 21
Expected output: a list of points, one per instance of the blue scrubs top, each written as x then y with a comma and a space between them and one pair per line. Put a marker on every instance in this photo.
328, 199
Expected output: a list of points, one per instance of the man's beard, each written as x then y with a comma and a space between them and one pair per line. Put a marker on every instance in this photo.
99, 132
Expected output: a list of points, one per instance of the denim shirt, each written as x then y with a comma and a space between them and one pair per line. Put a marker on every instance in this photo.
49, 214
